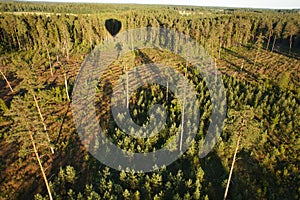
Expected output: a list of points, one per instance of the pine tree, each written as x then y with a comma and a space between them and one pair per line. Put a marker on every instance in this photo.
290, 30
28, 131
246, 132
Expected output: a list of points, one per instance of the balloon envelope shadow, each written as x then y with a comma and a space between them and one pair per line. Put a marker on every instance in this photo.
113, 26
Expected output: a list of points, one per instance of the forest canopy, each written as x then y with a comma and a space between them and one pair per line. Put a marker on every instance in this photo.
257, 51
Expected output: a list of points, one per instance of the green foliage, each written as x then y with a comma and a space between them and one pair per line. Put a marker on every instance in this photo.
284, 81
267, 159
26, 121
39, 197
3, 109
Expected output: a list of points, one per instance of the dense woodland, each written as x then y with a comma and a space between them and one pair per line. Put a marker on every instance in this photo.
42, 47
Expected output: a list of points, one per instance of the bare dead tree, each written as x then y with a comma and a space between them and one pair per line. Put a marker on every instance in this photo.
7, 82
43, 121
66, 86
50, 64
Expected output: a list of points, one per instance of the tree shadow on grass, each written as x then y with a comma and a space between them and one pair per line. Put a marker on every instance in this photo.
214, 175
249, 179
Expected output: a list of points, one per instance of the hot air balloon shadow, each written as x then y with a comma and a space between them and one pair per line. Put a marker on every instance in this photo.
113, 26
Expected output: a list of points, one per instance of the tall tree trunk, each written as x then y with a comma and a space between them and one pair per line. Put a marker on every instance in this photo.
211, 46
181, 131
41, 166
18, 40
234, 156
7, 81
246, 38
91, 43
291, 43
167, 93
220, 46
49, 58
182, 113
66, 86
274, 41
269, 39
127, 90
43, 121
232, 166
67, 52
